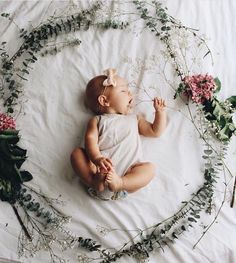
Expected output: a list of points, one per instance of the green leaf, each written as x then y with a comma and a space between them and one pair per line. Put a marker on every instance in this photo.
224, 133
39, 212
12, 82
34, 58
218, 111
17, 151
180, 89
26, 176
10, 110
6, 191
174, 235
10, 132
191, 219
222, 122
208, 152
232, 100
207, 165
15, 95
5, 14
232, 127
36, 206
27, 198
25, 71
218, 85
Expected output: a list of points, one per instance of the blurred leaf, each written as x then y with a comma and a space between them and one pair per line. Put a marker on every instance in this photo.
191, 219
174, 235
208, 152
27, 198
232, 100
26, 176
218, 85
25, 71
218, 111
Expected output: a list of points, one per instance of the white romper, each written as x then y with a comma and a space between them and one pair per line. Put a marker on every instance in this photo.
119, 140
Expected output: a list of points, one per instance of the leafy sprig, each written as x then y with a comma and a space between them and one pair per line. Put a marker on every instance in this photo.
34, 41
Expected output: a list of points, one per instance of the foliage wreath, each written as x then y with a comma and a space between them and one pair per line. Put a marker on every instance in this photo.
216, 127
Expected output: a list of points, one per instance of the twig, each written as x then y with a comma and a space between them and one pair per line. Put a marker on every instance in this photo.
21, 223
232, 201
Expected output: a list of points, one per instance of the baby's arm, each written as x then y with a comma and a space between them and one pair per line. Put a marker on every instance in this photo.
156, 128
91, 146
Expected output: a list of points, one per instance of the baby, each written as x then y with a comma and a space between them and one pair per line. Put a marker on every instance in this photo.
112, 159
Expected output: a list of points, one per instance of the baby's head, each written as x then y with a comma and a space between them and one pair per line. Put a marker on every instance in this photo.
108, 93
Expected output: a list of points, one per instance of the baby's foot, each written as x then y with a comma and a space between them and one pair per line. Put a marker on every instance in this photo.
99, 182
114, 181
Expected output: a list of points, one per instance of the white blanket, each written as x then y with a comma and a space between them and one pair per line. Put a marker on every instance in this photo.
53, 120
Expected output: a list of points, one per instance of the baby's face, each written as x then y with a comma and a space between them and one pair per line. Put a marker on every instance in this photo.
120, 98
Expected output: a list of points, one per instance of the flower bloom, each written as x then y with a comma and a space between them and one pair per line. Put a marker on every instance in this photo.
199, 87
6, 122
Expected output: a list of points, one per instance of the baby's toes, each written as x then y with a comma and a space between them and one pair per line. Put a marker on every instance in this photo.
109, 178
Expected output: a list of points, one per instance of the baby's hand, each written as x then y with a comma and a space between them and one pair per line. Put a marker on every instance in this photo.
159, 104
103, 164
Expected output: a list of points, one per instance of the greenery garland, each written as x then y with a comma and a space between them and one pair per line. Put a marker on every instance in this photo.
215, 127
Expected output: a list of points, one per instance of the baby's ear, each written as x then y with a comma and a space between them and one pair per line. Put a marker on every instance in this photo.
102, 100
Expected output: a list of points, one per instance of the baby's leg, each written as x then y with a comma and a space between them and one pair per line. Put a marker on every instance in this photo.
86, 170
136, 177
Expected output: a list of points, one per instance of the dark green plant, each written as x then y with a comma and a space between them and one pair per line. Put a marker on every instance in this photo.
11, 159
11, 178
219, 114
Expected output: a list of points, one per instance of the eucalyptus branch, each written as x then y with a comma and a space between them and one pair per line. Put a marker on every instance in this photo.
48, 201
154, 227
216, 216
204, 139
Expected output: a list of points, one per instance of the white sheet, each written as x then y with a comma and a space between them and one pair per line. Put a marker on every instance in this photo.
53, 120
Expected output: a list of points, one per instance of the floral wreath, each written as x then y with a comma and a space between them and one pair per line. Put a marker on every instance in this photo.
43, 223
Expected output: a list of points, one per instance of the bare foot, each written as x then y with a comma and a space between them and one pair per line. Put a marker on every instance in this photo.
99, 182
114, 181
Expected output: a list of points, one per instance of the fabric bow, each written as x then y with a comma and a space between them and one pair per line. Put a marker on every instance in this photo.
110, 81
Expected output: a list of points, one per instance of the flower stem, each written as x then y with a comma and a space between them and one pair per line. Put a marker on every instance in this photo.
232, 200
21, 222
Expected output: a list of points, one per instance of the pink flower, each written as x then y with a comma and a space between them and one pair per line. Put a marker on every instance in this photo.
6, 122
199, 87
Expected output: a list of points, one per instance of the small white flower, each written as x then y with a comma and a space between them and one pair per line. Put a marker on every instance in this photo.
83, 258
103, 230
